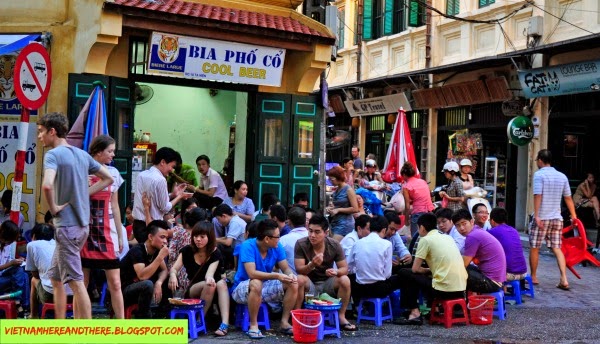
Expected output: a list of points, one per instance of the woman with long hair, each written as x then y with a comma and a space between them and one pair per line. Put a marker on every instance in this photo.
343, 204
241, 205
417, 196
107, 237
203, 261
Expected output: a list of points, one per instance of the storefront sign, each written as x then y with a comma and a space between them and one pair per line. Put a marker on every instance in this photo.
207, 59
520, 130
558, 80
9, 138
512, 107
378, 105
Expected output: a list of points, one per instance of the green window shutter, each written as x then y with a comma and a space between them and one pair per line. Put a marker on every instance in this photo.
456, 7
367, 19
415, 14
388, 18
452, 7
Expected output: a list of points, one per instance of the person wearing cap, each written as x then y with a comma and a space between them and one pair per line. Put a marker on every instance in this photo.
453, 196
466, 166
370, 175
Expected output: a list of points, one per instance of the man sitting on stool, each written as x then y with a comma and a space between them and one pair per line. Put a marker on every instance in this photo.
143, 270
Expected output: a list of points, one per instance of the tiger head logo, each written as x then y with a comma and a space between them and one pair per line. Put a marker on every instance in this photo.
7, 68
168, 49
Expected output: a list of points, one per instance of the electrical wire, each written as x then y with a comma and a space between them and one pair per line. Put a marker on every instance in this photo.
476, 21
559, 19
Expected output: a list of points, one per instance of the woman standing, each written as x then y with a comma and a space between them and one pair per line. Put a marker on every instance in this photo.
466, 166
106, 239
343, 205
585, 196
241, 205
348, 166
203, 261
454, 196
417, 196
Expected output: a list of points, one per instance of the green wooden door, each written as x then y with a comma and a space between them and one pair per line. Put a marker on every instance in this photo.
285, 147
120, 106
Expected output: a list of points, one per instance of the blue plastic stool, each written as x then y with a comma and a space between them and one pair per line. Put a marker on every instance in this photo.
499, 309
395, 299
195, 315
330, 322
379, 317
531, 291
242, 317
517, 292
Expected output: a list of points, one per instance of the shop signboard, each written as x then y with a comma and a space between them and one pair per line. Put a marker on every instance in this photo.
559, 80
378, 105
208, 59
520, 130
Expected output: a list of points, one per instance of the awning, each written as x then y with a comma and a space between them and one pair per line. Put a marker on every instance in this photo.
11, 43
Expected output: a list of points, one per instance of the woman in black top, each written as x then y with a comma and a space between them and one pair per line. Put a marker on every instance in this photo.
203, 261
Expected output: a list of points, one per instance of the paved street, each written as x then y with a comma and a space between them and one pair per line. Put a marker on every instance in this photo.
554, 316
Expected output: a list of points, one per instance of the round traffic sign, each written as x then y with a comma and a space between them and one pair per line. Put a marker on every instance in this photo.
33, 75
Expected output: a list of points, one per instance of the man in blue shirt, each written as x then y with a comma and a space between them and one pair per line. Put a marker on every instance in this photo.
255, 282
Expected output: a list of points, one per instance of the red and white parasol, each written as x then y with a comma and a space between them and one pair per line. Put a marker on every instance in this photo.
401, 149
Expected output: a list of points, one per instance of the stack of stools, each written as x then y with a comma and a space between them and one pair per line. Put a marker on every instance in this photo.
517, 292
195, 315
242, 317
330, 321
499, 309
378, 317
9, 308
445, 315
49, 307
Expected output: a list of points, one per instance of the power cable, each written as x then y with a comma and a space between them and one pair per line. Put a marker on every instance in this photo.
559, 19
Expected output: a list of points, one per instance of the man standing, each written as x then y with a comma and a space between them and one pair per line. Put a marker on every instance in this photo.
549, 187
65, 187
314, 257
357, 162
483, 248
152, 182
212, 190
143, 270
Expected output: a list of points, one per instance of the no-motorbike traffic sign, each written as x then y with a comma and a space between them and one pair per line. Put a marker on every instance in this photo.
33, 75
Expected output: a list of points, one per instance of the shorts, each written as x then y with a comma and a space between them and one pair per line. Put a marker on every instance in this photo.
552, 233
320, 287
272, 291
515, 277
66, 261
42, 295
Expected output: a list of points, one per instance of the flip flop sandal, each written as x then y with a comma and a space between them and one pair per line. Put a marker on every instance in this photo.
255, 334
348, 327
563, 287
287, 331
222, 330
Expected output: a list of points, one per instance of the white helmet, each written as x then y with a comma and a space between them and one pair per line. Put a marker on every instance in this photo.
450, 166
466, 162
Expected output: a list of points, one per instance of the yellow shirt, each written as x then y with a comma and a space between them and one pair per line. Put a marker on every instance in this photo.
444, 259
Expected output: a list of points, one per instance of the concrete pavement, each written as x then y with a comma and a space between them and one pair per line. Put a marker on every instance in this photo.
554, 316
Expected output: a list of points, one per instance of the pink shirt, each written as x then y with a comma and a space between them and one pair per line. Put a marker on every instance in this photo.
419, 194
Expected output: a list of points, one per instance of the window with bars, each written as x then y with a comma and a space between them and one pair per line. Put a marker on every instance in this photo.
453, 7
387, 17
483, 3
139, 56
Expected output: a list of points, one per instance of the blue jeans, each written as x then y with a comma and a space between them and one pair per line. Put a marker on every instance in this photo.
15, 279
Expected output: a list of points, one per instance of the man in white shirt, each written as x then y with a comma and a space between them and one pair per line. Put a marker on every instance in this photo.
39, 257
361, 229
297, 219
153, 183
212, 190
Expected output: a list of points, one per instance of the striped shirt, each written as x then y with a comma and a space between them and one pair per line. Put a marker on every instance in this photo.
553, 186
154, 184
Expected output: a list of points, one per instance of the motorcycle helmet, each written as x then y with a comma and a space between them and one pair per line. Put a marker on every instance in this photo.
466, 162
450, 166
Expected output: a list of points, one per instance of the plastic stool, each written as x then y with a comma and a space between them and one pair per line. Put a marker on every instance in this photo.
499, 309
395, 299
379, 317
50, 307
448, 318
129, 310
195, 315
330, 322
9, 308
242, 317
531, 291
516, 291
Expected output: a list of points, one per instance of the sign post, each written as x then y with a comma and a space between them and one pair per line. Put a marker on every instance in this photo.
33, 75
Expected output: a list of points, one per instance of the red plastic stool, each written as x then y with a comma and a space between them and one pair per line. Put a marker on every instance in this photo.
50, 307
129, 310
9, 308
448, 318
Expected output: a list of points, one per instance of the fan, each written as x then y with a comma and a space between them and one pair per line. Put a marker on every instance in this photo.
338, 140
143, 94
